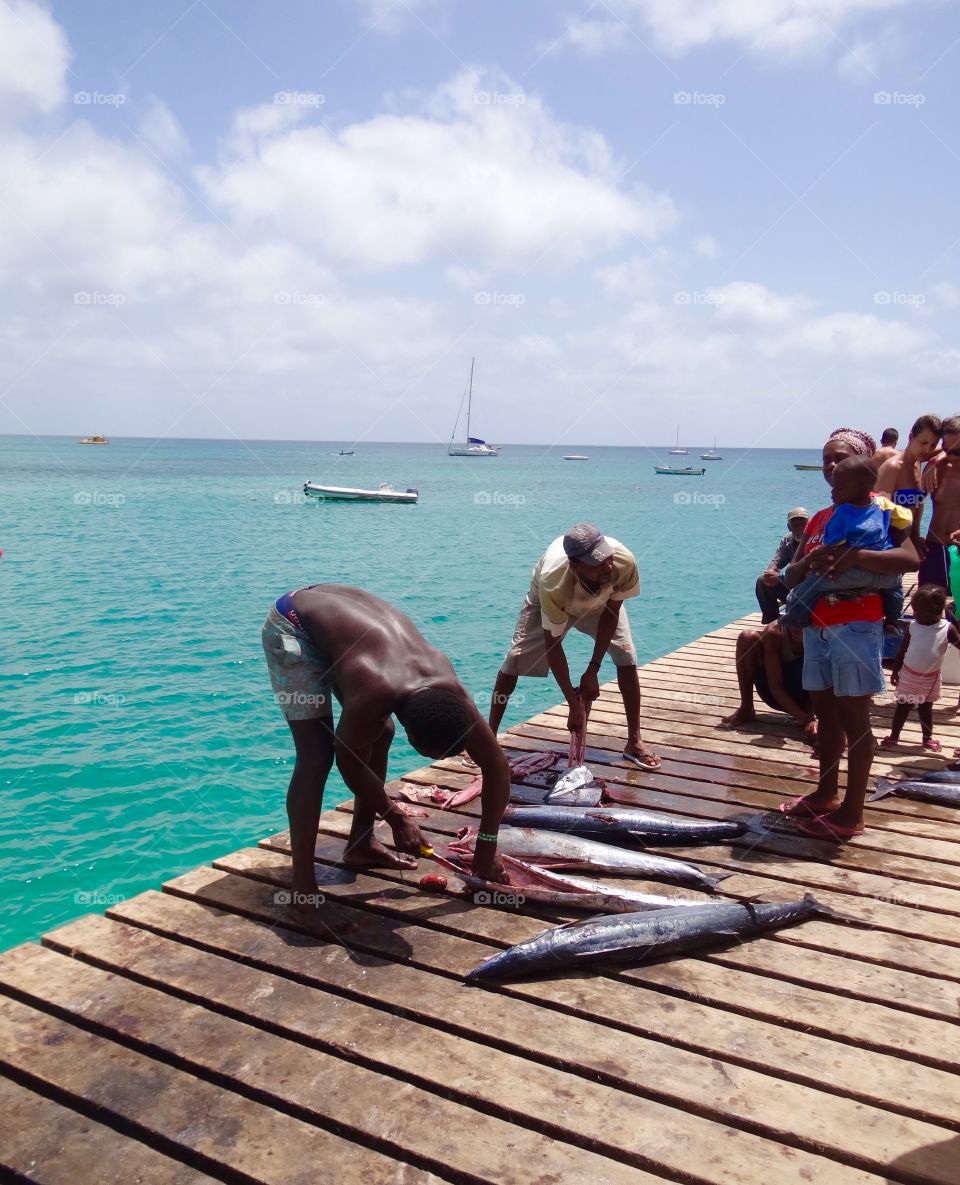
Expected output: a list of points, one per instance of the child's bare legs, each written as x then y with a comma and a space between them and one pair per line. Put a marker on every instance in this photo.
900, 714
925, 712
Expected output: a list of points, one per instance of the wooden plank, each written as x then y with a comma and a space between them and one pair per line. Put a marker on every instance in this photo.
873, 1025
465, 1141
472, 1072
45, 1143
596, 1047
222, 1131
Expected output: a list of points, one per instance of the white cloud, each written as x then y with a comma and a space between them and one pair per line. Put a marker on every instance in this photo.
590, 36
160, 130
778, 27
749, 302
34, 57
482, 176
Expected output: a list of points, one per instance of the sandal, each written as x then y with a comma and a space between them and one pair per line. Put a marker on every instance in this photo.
800, 808
643, 760
820, 827
888, 743
933, 745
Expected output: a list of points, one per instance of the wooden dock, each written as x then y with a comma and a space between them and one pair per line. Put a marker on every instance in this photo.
199, 1034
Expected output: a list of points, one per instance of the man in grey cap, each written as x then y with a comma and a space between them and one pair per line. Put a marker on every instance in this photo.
770, 588
580, 582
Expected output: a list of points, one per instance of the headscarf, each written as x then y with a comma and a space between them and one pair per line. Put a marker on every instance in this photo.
862, 443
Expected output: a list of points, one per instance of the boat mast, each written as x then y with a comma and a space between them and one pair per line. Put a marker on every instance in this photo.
470, 398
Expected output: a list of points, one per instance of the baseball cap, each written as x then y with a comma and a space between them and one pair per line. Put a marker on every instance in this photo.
585, 544
797, 512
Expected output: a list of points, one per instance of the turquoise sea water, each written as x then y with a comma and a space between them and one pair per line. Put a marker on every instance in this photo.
141, 737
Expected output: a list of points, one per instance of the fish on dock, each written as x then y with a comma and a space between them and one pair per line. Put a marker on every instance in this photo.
576, 787
528, 883
625, 823
644, 937
558, 850
937, 793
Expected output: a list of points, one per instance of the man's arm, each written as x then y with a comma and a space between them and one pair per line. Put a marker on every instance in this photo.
589, 688
359, 728
557, 661
773, 665
483, 748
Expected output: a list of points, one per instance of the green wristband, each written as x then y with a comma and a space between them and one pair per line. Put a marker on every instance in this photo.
486, 837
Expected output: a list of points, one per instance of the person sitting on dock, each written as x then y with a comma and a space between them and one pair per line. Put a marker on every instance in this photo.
770, 662
580, 582
771, 590
331, 640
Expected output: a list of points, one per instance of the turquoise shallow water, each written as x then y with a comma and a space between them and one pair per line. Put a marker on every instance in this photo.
141, 737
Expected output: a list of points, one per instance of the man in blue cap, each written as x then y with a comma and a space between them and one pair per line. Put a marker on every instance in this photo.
580, 582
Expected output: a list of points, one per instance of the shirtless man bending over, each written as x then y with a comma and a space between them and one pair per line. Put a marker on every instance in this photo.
328, 641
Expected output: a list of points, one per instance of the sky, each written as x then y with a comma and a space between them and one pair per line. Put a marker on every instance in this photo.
302, 220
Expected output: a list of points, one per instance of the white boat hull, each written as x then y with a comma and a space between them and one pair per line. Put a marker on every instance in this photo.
471, 450
322, 493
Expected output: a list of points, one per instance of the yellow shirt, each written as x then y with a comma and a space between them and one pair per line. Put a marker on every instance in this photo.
561, 595
901, 519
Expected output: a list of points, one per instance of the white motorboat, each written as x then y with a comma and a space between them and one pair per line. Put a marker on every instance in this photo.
383, 493
473, 446
576, 457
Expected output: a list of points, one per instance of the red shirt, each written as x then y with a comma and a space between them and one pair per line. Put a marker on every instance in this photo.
825, 614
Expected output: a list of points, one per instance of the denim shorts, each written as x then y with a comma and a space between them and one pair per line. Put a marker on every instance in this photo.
844, 659
301, 676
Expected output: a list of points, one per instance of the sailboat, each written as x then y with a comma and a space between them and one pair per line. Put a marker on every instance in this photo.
678, 451
711, 454
474, 446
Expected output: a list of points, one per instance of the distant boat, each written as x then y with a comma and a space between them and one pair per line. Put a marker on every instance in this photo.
711, 454
677, 471
808, 468
576, 457
473, 446
384, 493
678, 451
345, 452
94, 440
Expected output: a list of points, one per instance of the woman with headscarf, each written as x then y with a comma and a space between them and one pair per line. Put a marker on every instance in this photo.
842, 656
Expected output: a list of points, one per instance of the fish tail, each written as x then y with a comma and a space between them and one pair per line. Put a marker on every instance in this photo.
827, 911
714, 880
884, 789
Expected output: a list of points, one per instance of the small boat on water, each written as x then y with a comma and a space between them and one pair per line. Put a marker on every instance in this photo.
711, 454
383, 493
576, 457
473, 446
677, 451
808, 468
345, 452
93, 440
679, 471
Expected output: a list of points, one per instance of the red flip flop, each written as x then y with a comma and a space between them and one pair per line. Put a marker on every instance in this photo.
820, 827
800, 808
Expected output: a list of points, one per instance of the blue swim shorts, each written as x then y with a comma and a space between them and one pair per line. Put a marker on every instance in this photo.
301, 676
844, 658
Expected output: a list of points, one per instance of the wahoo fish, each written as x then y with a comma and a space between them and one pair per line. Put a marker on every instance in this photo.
566, 892
625, 823
644, 937
559, 850
575, 787
936, 793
